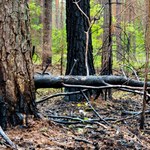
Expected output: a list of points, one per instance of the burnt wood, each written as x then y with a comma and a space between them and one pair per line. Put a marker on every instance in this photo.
49, 81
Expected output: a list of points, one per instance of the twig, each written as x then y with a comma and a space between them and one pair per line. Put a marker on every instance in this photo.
123, 73
77, 118
130, 117
103, 87
89, 103
100, 124
7, 139
55, 95
47, 65
79, 122
134, 91
77, 92
134, 113
132, 70
86, 53
75, 62
83, 140
76, 3
67, 122
67, 117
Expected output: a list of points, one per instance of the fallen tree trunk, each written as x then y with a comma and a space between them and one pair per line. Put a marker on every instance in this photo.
48, 81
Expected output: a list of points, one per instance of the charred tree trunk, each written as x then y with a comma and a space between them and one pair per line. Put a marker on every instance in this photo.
47, 81
77, 25
17, 92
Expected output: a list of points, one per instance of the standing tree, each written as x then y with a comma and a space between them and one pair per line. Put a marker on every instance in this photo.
62, 36
47, 33
147, 48
57, 14
17, 91
77, 24
107, 39
119, 50
107, 43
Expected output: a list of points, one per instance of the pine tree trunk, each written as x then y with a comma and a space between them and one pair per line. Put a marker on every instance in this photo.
77, 25
119, 50
57, 14
107, 40
62, 12
62, 35
107, 44
17, 92
47, 32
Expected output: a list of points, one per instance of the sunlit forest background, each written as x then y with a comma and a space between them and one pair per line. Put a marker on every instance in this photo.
127, 31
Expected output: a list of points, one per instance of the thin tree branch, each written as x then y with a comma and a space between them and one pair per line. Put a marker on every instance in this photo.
76, 3
58, 94
89, 103
103, 87
7, 139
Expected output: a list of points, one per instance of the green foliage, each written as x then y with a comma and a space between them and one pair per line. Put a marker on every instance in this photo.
58, 35
133, 30
59, 44
132, 39
135, 33
36, 59
97, 31
36, 27
59, 40
36, 24
35, 12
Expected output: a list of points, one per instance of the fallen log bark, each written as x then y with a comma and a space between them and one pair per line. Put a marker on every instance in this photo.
48, 81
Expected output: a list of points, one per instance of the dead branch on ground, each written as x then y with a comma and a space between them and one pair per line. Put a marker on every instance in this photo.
7, 139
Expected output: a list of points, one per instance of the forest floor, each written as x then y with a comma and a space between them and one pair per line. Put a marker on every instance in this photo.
121, 133
78, 127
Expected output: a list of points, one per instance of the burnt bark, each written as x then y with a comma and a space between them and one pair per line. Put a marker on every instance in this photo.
17, 91
77, 24
48, 81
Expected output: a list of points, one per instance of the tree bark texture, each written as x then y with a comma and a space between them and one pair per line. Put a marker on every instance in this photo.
17, 92
47, 32
147, 48
48, 81
57, 20
77, 24
119, 50
106, 68
62, 12
107, 39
